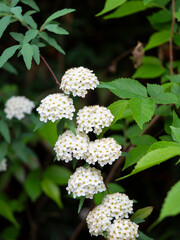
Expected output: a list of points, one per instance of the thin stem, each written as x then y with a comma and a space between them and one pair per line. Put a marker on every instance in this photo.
171, 39
47, 65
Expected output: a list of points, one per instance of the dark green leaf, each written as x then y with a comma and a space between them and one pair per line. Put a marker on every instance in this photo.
60, 126
81, 204
110, 5
8, 53
142, 213
4, 7
58, 174
9, 68
56, 29
142, 236
14, 3
31, 3
30, 34
74, 163
36, 53
17, 11
30, 21
174, 78
125, 88
58, 14
10, 233
3, 150
143, 140
119, 139
48, 132
27, 53
17, 36
4, 22
114, 187
4, 130
71, 126
21, 150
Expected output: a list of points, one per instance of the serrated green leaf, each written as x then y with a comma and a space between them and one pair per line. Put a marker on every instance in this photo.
60, 126
153, 158
176, 120
56, 29
8, 53
135, 155
52, 191
32, 184
36, 53
71, 126
7, 213
142, 109
142, 213
4, 7
154, 90
30, 34
4, 130
4, 22
151, 68
52, 42
162, 16
17, 11
174, 78
30, 21
17, 36
110, 5
27, 53
128, 8
58, 14
175, 133
157, 39
9, 68
3, 150
31, 3
125, 88
58, 174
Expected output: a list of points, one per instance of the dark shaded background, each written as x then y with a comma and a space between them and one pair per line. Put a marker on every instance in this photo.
94, 43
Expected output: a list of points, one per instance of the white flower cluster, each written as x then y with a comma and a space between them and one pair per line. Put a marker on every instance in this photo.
102, 218
68, 146
78, 81
3, 165
17, 106
104, 151
85, 182
94, 118
122, 229
56, 106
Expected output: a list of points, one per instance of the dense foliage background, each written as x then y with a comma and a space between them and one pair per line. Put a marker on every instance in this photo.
106, 47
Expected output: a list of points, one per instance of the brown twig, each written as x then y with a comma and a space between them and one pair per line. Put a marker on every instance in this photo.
47, 65
171, 38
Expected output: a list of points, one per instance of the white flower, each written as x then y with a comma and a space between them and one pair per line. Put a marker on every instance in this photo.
86, 182
94, 118
122, 229
104, 151
56, 106
17, 106
68, 146
119, 205
98, 220
78, 81
3, 165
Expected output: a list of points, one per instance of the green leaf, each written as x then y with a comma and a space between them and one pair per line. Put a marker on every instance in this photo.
117, 108
32, 185
60, 126
135, 155
27, 53
4, 130
17, 36
30, 21
151, 68
8, 53
56, 29
10, 233
114, 187
142, 213
142, 109
36, 53
30, 34
125, 88
31, 3
71, 126
3, 150
176, 120
52, 42
119, 139
142, 236
9, 68
128, 8
21, 150
158, 39
175, 133
49, 133
162, 16
7, 213
143, 140
58, 174
52, 191
154, 90
177, 15
174, 78
35, 120
153, 158
17, 11
81, 204
162, 144
4, 22
14, 3
4, 7
58, 14
110, 5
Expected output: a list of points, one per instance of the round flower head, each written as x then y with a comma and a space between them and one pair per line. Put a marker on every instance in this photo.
56, 106
3, 165
104, 151
78, 81
85, 182
94, 118
98, 220
68, 146
122, 229
17, 106
119, 205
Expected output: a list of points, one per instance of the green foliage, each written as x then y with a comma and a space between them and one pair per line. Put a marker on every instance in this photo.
110, 5
142, 213
4, 130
